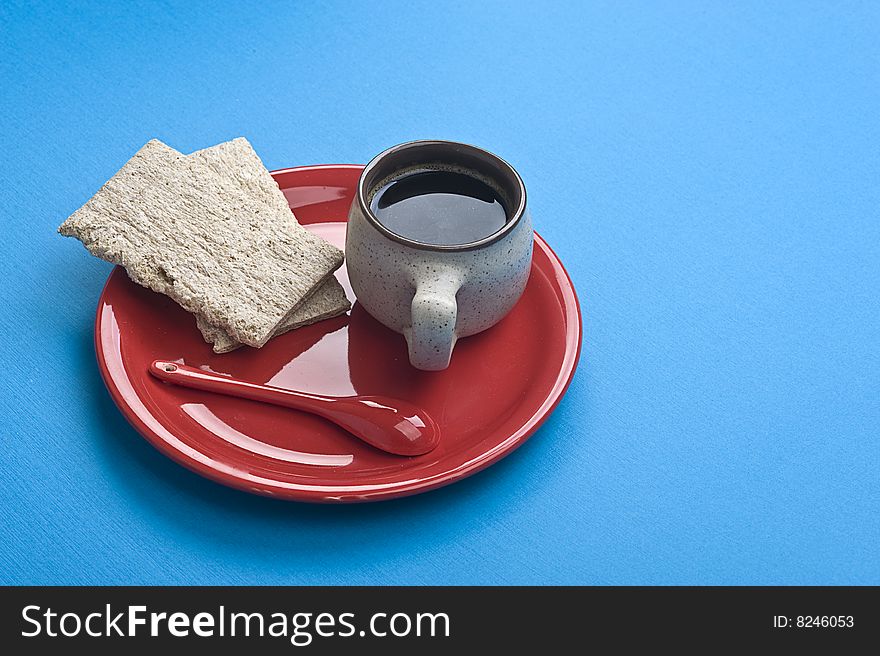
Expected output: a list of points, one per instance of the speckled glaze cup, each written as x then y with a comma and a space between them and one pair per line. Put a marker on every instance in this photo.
435, 294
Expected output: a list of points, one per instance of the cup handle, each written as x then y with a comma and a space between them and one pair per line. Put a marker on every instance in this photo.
432, 335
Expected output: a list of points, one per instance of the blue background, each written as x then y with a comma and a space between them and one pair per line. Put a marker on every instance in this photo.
709, 174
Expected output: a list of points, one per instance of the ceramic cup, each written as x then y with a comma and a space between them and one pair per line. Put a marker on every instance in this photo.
435, 294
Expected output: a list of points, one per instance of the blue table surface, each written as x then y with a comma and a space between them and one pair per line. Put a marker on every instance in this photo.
709, 173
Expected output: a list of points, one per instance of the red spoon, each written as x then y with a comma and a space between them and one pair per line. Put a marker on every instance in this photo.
392, 425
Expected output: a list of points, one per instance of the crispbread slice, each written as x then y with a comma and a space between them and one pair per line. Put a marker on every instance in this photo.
327, 302
237, 160
181, 229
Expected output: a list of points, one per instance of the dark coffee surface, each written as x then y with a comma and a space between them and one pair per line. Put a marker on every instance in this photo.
439, 207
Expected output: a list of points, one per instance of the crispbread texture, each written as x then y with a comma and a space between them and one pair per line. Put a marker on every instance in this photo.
237, 160
328, 301
181, 229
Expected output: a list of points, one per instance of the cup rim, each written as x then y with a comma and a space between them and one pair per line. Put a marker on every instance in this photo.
471, 151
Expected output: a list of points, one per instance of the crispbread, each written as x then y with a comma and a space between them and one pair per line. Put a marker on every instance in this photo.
327, 301
237, 160
181, 229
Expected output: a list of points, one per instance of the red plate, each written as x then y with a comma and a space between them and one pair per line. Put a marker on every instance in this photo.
502, 384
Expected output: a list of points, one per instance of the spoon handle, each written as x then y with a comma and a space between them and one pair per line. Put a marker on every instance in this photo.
181, 374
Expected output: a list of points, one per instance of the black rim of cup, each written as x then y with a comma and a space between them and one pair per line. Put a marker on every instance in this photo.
451, 153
